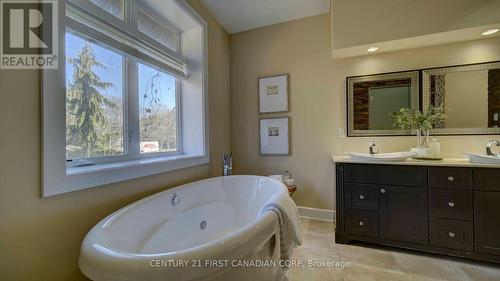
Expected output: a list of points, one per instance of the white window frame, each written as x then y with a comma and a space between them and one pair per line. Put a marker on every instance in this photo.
58, 177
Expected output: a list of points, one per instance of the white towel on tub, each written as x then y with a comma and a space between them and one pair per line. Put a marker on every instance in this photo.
289, 222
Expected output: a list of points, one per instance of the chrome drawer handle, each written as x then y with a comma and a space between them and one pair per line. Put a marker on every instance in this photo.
451, 234
451, 204
450, 178
361, 197
361, 223
382, 190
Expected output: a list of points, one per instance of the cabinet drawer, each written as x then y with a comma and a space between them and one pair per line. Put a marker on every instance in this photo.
452, 234
487, 179
364, 223
452, 204
362, 196
454, 178
386, 174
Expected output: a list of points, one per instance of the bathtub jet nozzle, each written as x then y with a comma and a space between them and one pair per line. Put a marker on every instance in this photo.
203, 225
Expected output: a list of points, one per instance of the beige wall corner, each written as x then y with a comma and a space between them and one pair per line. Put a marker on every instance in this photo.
218, 85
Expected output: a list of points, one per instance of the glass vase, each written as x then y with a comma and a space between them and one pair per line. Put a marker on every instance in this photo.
422, 138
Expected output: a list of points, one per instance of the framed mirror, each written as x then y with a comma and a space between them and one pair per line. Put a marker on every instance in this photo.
372, 98
470, 94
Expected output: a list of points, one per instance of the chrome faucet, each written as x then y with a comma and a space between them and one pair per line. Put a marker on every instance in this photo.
489, 145
227, 164
372, 148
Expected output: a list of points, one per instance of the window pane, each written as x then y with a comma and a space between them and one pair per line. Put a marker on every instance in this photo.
157, 111
94, 100
157, 30
114, 7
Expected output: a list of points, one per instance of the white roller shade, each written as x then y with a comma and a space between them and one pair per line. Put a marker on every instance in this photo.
128, 42
157, 30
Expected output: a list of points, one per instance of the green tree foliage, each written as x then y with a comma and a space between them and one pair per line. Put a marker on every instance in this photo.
86, 106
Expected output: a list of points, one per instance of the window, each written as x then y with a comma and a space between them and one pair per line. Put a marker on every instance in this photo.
131, 107
157, 111
97, 72
94, 100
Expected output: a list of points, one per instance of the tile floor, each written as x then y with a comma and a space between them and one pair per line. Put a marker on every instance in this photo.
370, 262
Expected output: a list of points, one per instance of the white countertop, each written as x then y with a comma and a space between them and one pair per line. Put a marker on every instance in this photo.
446, 162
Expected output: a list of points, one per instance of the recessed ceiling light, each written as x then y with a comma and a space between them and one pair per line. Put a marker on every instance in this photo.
372, 49
490, 31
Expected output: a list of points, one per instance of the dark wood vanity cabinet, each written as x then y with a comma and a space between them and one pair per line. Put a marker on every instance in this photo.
448, 210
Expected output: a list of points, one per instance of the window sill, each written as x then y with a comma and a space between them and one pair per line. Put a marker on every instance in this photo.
171, 159
76, 178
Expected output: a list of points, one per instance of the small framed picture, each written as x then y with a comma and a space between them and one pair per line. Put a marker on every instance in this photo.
273, 94
275, 136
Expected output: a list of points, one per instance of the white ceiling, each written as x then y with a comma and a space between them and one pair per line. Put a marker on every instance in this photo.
240, 15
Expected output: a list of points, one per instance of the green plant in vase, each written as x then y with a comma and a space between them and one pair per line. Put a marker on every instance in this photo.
422, 123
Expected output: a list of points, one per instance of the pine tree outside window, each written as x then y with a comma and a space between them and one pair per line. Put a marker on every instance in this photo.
94, 100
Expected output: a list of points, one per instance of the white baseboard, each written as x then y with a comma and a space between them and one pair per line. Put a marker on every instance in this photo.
317, 214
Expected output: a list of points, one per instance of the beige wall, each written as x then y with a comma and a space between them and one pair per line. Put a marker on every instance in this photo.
302, 48
40, 238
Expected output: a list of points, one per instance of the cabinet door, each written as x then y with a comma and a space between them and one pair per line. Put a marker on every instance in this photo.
404, 214
487, 222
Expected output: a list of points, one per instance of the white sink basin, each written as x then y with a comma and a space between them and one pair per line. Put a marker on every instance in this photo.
393, 156
480, 158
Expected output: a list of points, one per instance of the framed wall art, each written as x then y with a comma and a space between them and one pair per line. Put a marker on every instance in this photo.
273, 94
275, 136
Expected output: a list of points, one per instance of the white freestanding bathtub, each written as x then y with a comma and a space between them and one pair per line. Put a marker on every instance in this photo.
206, 230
